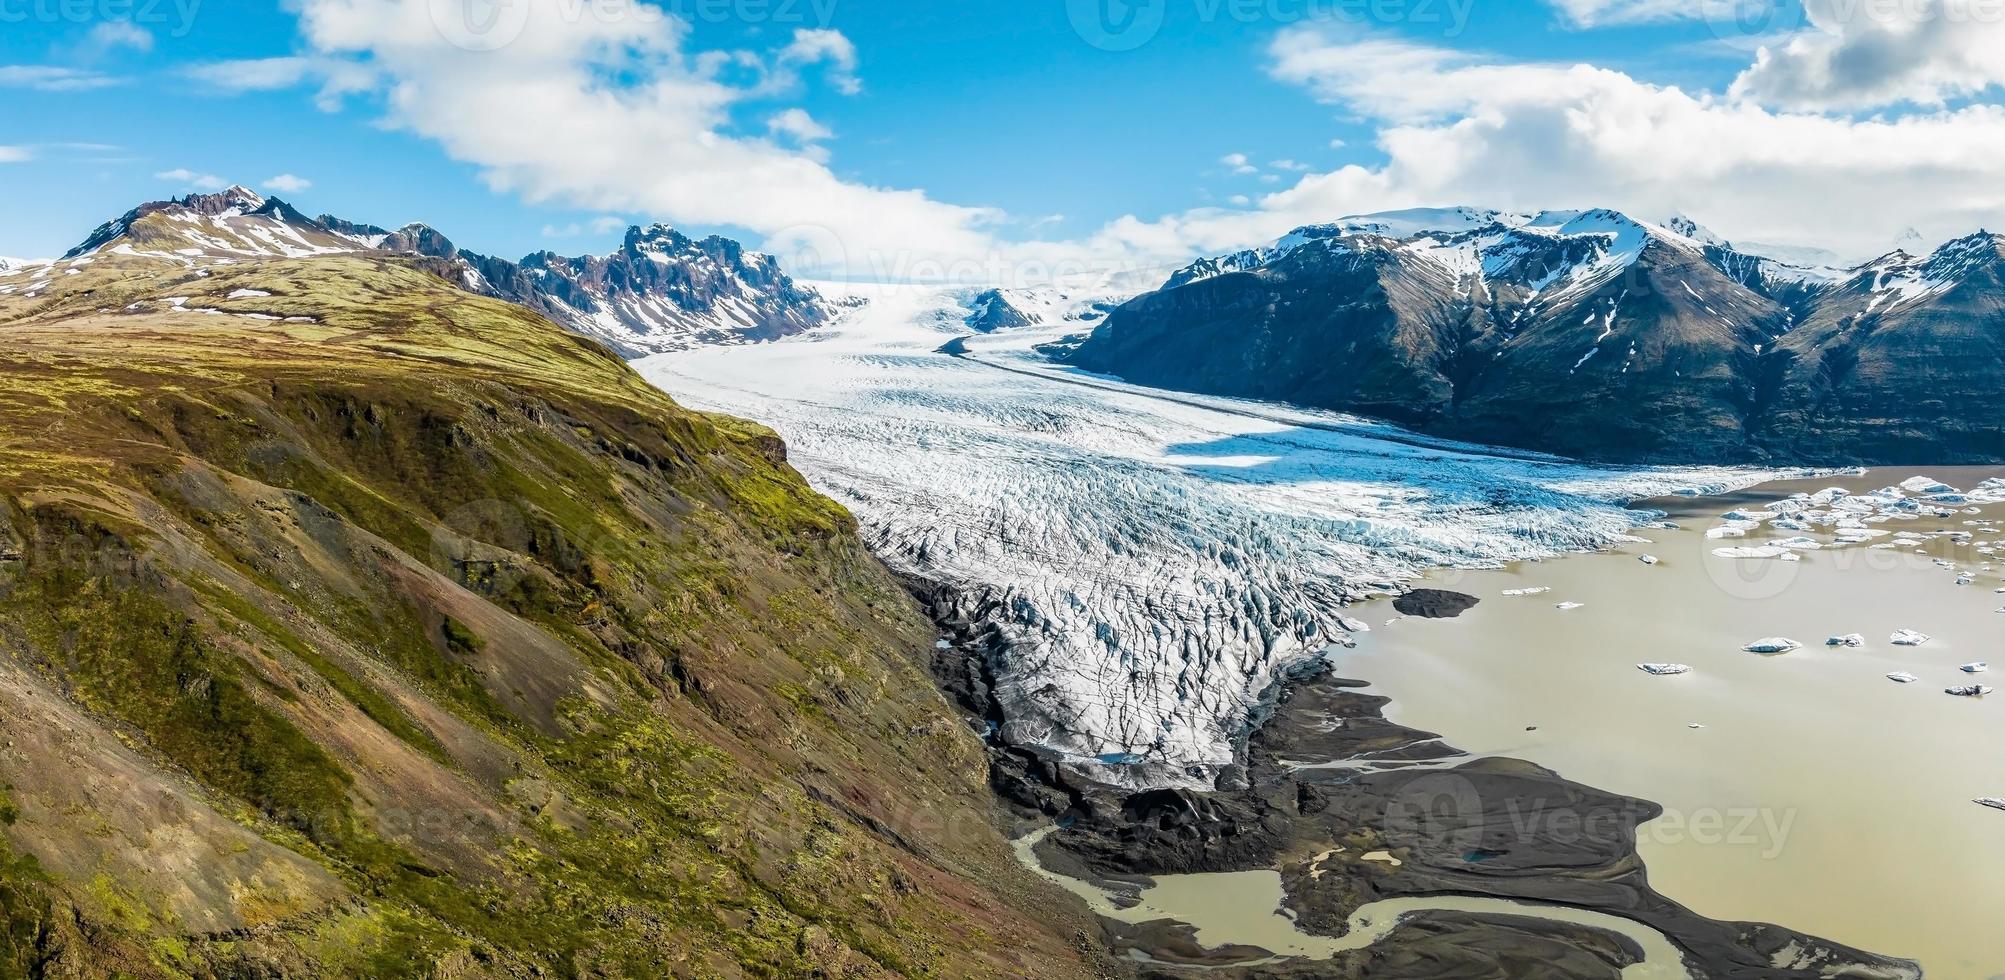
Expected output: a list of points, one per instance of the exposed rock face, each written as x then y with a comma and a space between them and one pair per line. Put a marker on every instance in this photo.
1589, 334
660, 291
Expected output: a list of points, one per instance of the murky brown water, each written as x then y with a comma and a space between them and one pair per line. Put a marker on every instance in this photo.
1244, 909
1818, 793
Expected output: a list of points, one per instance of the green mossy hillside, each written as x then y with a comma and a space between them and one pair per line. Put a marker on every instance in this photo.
413, 636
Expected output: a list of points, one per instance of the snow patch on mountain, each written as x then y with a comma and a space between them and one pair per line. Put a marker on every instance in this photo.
1154, 560
661, 290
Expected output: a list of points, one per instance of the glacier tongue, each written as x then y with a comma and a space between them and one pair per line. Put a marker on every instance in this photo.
1153, 560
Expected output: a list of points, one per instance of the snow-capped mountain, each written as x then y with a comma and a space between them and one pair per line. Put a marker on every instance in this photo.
1005, 308
660, 291
1590, 333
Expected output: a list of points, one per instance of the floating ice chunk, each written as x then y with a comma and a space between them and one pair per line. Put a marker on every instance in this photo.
1763, 551
1964, 579
1649, 559
1909, 638
1729, 531
1848, 640
1773, 644
1664, 670
1744, 517
1902, 677
1798, 544
1353, 625
1969, 691
1976, 668
1994, 802
1923, 484
1790, 557
1542, 590
1568, 606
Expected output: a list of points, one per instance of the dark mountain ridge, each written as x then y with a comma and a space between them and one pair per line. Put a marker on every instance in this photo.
1589, 334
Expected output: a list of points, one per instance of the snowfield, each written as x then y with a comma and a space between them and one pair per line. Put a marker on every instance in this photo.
1154, 559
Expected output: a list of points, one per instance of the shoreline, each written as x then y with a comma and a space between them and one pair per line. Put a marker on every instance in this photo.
1311, 775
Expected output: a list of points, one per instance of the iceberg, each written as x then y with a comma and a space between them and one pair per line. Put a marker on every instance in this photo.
1568, 606
1994, 802
1542, 590
1902, 677
1773, 644
1664, 670
1908, 638
1976, 668
1649, 559
1970, 691
1848, 640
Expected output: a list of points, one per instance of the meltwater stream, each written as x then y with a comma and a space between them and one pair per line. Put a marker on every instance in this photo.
1245, 909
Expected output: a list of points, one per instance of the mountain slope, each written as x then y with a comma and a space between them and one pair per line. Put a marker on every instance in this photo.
1590, 334
1906, 356
354, 626
660, 291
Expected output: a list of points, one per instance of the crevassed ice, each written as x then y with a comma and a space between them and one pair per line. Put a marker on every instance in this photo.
1154, 560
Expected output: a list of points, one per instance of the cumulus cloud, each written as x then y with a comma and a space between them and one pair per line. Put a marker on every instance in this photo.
287, 184
1457, 128
193, 179
616, 113
1863, 54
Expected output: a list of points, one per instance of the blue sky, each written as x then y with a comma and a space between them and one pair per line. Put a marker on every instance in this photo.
1011, 121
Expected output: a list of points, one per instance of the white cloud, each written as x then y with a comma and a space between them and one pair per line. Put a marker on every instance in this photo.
1238, 163
1460, 129
1737, 15
15, 154
798, 125
287, 184
111, 35
1860, 54
336, 77
616, 113
824, 47
190, 178
54, 78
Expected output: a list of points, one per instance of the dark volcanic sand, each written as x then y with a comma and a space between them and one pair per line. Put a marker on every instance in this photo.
1434, 604
1492, 827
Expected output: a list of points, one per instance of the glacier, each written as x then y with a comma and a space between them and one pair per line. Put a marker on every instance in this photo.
1154, 561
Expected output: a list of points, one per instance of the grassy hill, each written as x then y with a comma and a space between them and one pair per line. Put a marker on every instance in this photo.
351, 625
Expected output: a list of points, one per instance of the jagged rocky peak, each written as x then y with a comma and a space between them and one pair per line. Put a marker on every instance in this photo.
661, 290
1010, 307
235, 199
